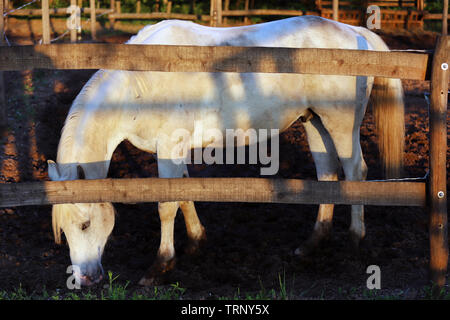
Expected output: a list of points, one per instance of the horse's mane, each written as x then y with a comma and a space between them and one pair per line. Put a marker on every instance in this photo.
61, 215
72, 122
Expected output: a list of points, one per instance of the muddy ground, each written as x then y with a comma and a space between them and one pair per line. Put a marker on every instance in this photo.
249, 245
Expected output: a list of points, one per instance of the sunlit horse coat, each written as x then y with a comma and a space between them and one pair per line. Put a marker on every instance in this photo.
146, 107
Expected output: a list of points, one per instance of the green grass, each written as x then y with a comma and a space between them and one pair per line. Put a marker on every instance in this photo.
280, 292
115, 289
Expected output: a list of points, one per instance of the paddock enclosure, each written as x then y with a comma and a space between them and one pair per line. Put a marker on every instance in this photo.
430, 192
395, 13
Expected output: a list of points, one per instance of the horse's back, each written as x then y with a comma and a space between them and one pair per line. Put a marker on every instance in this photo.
296, 32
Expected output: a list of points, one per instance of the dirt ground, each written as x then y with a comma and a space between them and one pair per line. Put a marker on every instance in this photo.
249, 246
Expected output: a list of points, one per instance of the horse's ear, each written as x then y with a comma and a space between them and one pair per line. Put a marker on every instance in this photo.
53, 170
80, 172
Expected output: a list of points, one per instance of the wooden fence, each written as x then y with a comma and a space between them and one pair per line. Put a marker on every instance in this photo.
403, 65
245, 59
407, 13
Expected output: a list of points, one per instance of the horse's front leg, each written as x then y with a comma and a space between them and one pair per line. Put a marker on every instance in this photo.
165, 259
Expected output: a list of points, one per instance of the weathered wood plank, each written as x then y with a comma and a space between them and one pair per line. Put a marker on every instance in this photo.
159, 15
261, 12
2, 22
53, 12
335, 7
401, 65
45, 22
73, 32
3, 113
438, 159
433, 16
445, 18
213, 190
93, 20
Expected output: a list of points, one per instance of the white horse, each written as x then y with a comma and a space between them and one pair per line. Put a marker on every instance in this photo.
146, 107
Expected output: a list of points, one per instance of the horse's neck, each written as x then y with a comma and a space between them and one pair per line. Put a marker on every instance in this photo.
81, 143
90, 154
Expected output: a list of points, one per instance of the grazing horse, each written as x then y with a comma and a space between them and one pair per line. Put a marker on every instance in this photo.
145, 108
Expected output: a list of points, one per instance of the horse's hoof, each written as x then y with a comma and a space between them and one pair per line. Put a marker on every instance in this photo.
305, 250
355, 239
154, 275
355, 242
193, 246
300, 252
314, 241
148, 282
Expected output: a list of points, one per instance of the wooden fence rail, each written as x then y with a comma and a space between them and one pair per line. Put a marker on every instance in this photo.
53, 12
403, 65
213, 189
159, 15
261, 12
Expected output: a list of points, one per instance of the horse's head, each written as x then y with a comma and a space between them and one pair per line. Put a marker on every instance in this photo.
86, 227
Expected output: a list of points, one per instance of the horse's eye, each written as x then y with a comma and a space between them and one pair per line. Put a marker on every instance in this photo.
85, 225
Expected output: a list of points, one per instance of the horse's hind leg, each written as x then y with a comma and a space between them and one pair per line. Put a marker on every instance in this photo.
195, 230
346, 137
325, 159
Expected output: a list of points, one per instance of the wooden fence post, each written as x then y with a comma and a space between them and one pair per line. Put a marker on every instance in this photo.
73, 32
336, 10
112, 20
118, 7
444, 18
45, 23
438, 153
246, 20
93, 20
3, 114
2, 22
216, 13
226, 8
420, 5
138, 6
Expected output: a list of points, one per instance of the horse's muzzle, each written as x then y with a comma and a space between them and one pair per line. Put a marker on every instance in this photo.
91, 275
90, 280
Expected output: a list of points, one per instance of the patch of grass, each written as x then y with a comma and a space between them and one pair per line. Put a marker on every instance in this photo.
115, 291
18, 294
278, 293
432, 292
282, 289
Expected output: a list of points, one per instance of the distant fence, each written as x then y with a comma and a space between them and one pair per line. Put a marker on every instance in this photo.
394, 13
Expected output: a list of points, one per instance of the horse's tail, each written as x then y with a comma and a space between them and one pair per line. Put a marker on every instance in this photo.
56, 222
388, 108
